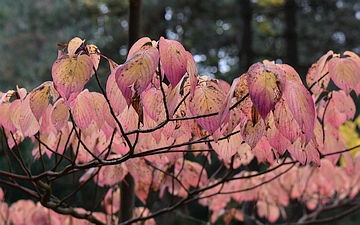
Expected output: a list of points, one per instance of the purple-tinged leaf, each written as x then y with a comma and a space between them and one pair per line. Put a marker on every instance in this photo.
300, 103
173, 60
135, 74
266, 85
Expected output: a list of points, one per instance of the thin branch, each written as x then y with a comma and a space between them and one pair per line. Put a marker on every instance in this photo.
122, 131
313, 84
78, 135
63, 155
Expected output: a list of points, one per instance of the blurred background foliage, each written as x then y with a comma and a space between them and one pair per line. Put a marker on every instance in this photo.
226, 36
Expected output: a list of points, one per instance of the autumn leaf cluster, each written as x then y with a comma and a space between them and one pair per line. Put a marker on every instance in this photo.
156, 109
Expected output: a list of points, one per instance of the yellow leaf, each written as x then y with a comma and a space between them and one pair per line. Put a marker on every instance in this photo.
348, 131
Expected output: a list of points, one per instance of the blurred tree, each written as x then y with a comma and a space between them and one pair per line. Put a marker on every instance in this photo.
29, 30
218, 33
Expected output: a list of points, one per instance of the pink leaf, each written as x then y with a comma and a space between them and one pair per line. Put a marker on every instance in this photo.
110, 175
142, 174
252, 131
242, 96
1, 195
340, 107
142, 212
20, 210
285, 122
129, 119
98, 103
21, 92
344, 103
70, 74
344, 72
94, 55
316, 78
300, 103
297, 152
5, 97
270, 211
59, 114
14, 111
82, 109
266, 86
172, 98
235, 117
357, 59
275, 138
112, 200
173, 60
333, 143
5, 116
115, 96
248, 183
190, 172
39, 99
227, 147
73, 45
263, 151
192, 72
225, 108
29, 125
305, 154
153, 104
137, 46
312, 152
136, 73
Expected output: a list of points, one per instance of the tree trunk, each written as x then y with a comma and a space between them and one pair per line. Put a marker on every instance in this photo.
290, 33
134, 21
244, 36
128, 185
